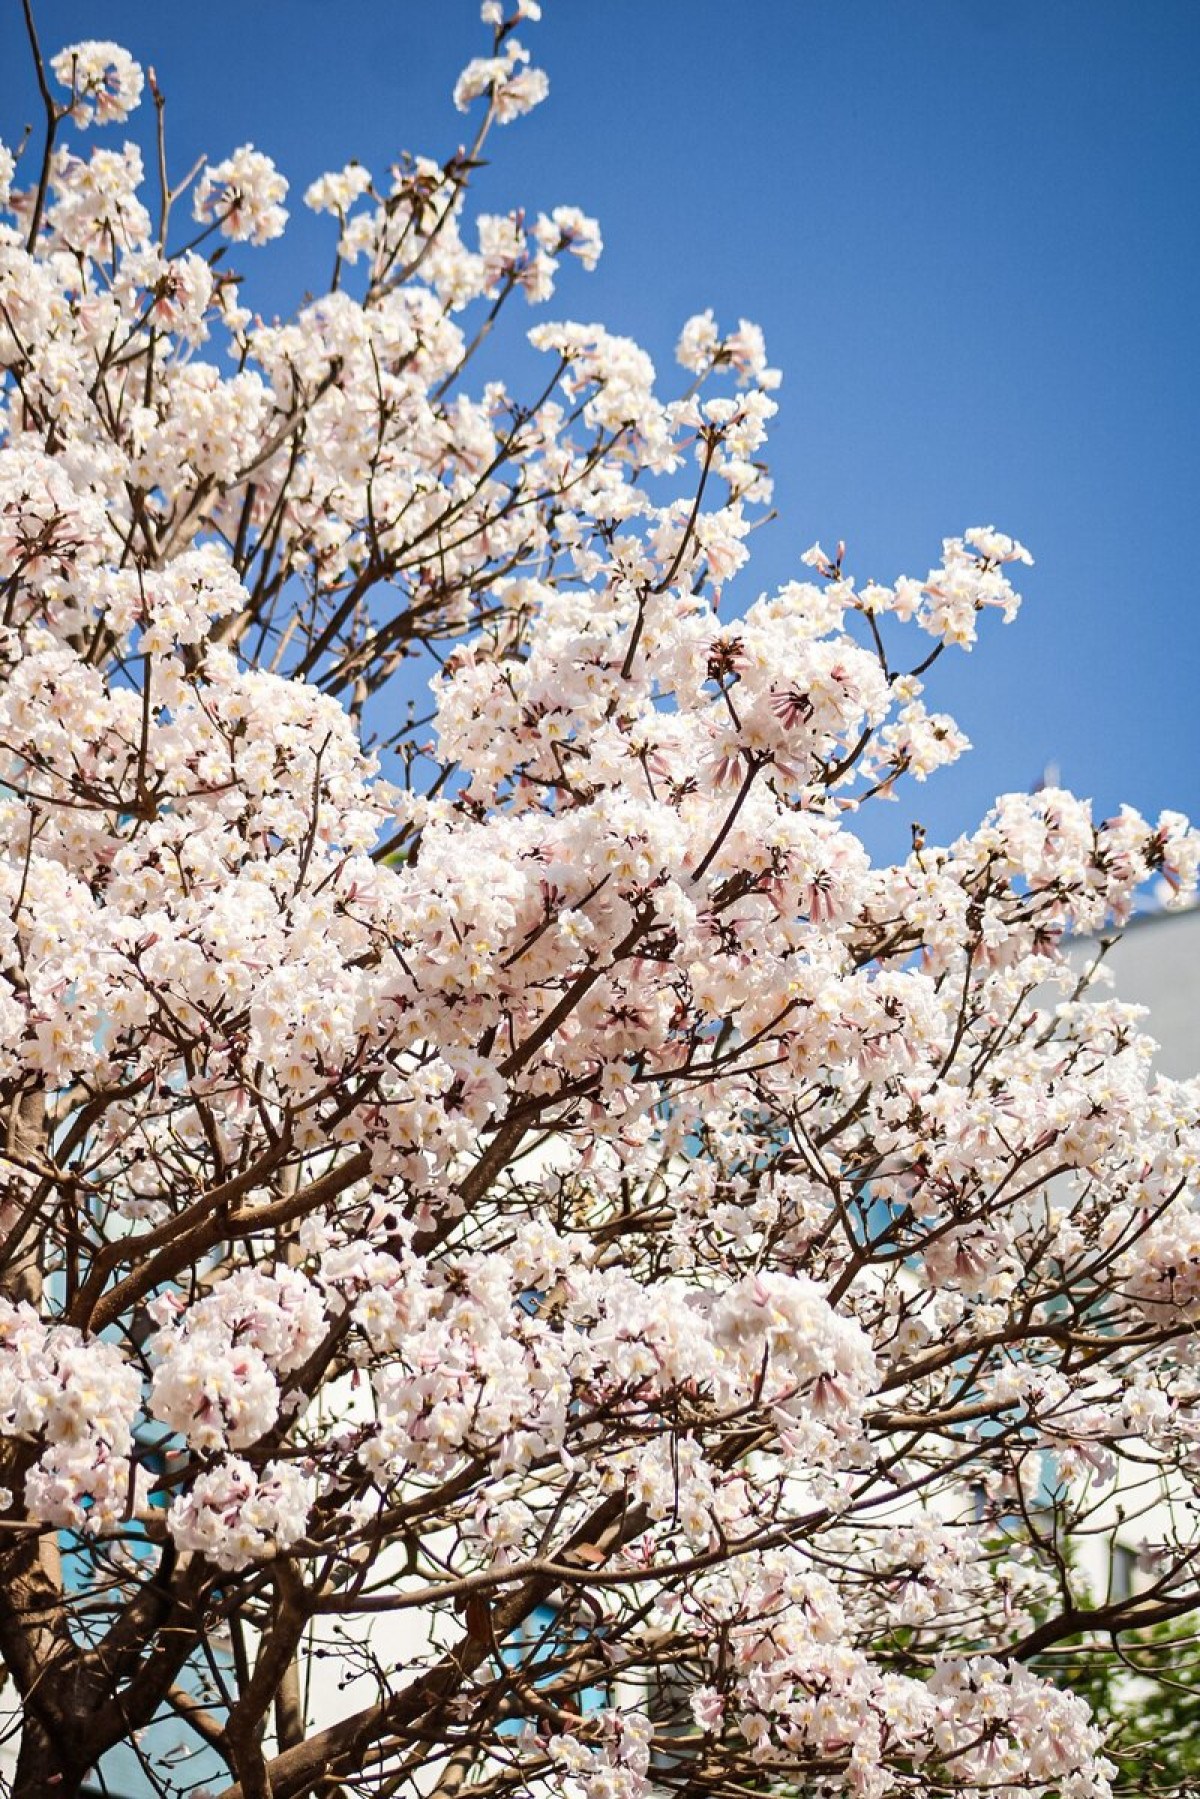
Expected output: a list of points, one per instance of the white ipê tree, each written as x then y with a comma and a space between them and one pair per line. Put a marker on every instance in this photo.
562, 1195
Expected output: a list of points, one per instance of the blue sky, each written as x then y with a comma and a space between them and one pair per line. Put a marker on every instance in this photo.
969, 230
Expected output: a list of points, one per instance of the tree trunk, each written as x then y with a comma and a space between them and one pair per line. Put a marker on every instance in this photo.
46, 1769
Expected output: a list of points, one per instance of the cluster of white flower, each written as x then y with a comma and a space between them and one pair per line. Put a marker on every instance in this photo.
74, 1402
512, 86
337, 191
617, 1768
1161, 1268
243, 195
104, 81
95, 210
215, 1381
235, 1514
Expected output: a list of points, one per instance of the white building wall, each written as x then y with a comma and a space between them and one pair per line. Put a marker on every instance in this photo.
1156, 963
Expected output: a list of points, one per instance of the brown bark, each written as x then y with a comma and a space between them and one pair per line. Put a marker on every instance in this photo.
45, 1767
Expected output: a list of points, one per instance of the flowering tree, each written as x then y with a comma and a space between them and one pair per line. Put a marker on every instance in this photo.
652, 1293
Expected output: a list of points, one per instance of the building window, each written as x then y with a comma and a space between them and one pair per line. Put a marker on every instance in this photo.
1130, 1572
545, 1638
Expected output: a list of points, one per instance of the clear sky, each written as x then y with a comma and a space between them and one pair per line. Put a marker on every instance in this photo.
969, 229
